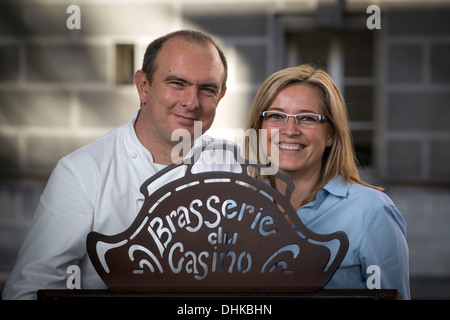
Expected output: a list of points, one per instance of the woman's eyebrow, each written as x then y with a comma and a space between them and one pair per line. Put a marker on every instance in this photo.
282, 110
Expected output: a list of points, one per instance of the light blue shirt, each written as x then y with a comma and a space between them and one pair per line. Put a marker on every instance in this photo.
376, 231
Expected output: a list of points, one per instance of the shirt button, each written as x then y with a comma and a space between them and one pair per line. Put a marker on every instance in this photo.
133, 155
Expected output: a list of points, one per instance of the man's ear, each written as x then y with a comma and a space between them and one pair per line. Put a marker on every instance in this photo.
222, 93
140, 80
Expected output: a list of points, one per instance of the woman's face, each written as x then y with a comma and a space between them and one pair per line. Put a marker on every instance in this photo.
299, 148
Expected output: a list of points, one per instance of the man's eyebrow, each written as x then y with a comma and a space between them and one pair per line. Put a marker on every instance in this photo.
176, 78
202, 85
210, 85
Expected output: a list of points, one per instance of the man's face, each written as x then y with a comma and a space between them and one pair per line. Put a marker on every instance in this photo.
186, 87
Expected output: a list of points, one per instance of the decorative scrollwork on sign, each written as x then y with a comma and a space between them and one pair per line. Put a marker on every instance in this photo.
216, 230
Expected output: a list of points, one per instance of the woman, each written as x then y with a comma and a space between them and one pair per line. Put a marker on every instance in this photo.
309, 139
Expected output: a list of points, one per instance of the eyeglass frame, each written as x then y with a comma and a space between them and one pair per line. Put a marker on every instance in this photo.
321, 118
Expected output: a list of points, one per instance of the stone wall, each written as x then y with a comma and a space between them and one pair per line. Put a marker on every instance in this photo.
61, 89
415, 88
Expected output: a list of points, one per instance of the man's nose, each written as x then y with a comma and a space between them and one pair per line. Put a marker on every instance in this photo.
190, 98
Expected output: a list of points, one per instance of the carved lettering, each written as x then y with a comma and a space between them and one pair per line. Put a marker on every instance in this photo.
215, 229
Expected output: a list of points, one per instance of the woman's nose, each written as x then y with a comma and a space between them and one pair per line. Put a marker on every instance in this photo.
291, 127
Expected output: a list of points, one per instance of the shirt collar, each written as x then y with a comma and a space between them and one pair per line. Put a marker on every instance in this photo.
338, 186
136, 146
132, 136
133, 141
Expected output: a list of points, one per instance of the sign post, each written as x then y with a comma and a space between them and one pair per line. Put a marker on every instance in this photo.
216, 231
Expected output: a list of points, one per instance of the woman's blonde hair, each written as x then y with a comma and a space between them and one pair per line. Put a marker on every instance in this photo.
340, 157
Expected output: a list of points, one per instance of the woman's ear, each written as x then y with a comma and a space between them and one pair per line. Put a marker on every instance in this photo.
330, 136
140, 80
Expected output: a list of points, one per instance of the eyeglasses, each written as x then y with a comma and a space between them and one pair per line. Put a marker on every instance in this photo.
279, 119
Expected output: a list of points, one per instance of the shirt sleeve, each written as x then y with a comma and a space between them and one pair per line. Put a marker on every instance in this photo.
57, 236
384, 251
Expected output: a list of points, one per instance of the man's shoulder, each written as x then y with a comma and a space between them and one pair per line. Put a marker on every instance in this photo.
99, 149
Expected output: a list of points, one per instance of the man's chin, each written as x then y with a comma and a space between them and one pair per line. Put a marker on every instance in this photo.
188, 131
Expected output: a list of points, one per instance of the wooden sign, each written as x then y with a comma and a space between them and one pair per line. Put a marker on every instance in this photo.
216, 231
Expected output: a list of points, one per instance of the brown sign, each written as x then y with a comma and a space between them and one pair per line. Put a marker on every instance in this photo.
216, 231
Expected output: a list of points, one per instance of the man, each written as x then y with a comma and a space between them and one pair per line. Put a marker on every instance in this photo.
96, 188
186, 87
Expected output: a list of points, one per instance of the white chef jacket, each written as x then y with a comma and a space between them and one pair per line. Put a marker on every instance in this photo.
95, 188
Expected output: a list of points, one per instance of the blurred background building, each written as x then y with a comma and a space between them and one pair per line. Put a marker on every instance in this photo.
62, 88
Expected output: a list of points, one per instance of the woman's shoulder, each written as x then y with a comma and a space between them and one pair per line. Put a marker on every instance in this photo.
377, 202
354, 191
369, 194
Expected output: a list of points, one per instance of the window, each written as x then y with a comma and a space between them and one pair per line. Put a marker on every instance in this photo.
124, 64
347, 57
